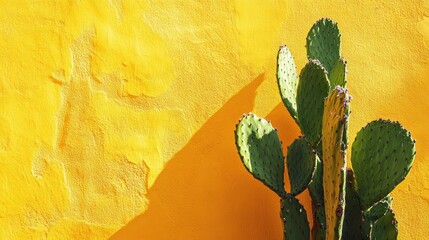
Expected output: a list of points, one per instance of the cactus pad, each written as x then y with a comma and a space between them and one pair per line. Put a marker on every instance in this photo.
294, 219
382, 155
337, 76
313, 87
323, 43
319, 223
301, 160
386, 227
352, 226
260, 149
335, 118
379, 209
316, 185
374, 213
287, 80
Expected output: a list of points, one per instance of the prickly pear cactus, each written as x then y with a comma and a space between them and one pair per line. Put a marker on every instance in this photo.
379, 209
319, 222
294, 219
315, 187
260, 149
313, 88
335, 118
301, 160
386, 227
381, 147
373, 214
352, 204
287, 80
353, 224
323, 43
337, 76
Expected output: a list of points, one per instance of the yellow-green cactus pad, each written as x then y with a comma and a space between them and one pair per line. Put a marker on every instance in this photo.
323, 43
294, 219
382, 155
313, 88
335, 119
337, 76
353, 217
301, 161
260, 149
287, 80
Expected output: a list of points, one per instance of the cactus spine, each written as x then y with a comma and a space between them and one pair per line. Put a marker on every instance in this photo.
347, 203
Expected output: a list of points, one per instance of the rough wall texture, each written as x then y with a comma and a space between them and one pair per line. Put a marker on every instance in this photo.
117, 117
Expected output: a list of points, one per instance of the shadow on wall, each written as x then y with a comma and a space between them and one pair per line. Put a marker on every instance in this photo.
204, 192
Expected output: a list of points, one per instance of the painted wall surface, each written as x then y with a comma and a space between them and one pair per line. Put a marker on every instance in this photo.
117, 117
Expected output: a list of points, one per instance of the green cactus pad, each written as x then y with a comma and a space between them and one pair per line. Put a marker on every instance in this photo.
337, 76
319, 222
260, 149
335, 118
389, 200
301, 161
366, 229
316, 192
374, 213
379, 209
352, 226
382, 155
385, 228
287, 80
294, 219
313, 87
323, 43
316, 185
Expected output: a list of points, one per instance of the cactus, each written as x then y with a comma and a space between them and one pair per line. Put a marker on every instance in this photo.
381, 147
288, 80
323, 43
313, 87
353, 225
261, 151
300, 164
337, 76
319, 223
335, 119
386, 227
373, 214
346, 204
379, 209
294, 218
315, 187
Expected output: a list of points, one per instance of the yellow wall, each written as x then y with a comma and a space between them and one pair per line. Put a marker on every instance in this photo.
117, 117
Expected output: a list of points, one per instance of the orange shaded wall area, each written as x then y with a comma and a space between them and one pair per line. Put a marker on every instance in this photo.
117, 117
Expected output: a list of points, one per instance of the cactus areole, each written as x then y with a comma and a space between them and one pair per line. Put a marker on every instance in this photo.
348, 203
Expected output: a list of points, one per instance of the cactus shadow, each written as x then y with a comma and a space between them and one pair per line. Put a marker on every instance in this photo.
204, 192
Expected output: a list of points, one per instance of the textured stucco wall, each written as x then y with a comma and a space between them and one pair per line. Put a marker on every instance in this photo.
117, 117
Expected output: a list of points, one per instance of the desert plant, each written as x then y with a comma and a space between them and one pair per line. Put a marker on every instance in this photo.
346, 203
